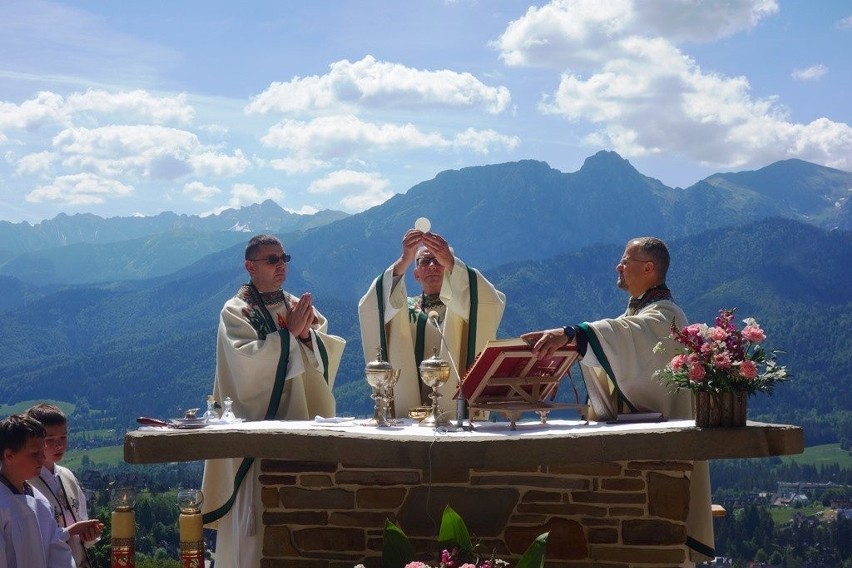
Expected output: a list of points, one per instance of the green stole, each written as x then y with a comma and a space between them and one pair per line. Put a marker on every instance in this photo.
271, 409
597, 349
420, 333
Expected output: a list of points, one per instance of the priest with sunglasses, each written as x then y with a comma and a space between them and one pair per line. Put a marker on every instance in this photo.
276, 361
468, 309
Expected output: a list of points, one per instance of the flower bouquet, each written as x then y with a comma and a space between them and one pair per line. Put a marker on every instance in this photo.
722, 363
457, 551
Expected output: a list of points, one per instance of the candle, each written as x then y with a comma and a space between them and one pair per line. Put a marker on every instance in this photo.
190, 528
123, 524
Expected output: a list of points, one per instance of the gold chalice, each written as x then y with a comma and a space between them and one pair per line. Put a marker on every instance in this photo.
434, 372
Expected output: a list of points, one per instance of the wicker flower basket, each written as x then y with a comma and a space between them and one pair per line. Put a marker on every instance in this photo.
725, 409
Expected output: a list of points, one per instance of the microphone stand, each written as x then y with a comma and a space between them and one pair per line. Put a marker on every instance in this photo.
433, 317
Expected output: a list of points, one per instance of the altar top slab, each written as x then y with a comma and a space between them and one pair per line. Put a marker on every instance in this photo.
559, 442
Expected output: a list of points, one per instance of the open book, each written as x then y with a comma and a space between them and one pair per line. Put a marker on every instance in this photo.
506, 370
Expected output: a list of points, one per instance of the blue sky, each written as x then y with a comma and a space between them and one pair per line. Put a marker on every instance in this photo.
133, 108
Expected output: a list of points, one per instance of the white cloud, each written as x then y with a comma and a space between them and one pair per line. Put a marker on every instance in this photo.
48, 108
360, 190
217, 130
160, 110
577, 34
35, 164
245, 194
297, 165
33, 113
197, 191
145, 151
327, 138
369, 83
303, 210
845, 23
811, 73
216, 164
483, 141
79, 189
645, 96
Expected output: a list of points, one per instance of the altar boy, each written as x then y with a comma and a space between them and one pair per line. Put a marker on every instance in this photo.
29, 535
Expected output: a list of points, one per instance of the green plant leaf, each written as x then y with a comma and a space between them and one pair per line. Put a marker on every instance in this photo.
454, 532
534, 555
396, 548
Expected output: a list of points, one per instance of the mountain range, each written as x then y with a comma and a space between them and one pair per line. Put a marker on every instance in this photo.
129, 325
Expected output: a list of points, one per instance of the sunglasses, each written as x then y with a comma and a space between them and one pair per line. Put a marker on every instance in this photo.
273, 259
427, 261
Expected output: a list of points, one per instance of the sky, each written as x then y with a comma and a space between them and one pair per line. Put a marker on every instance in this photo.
195, 106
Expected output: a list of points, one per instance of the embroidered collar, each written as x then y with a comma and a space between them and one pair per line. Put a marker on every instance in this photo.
256, 313
651, 295
273, 298
429, 301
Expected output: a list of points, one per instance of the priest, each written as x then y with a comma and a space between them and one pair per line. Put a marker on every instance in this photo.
465, 306
276, 360
619, 360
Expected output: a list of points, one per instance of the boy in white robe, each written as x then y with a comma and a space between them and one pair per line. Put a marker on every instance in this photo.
61, 488
468, 308
29, 535
276, 361
619, 362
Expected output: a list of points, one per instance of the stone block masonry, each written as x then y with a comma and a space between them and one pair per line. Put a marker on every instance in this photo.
616, 514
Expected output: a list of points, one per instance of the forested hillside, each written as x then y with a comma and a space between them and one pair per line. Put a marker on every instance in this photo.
149, 348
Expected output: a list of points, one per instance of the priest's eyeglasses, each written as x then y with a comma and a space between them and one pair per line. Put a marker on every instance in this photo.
427, 260
627, 260
273, 259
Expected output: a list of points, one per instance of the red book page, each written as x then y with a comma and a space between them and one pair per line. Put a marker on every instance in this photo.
505, 364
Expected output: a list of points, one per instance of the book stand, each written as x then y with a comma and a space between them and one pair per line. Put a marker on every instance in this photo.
510, 380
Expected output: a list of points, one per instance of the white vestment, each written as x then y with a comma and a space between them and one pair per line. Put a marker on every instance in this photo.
626, 344
30, 536
464, 292
65, 495
248, 368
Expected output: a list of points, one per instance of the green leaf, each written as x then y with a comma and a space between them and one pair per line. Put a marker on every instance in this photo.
454, 532
396, 548
534, 556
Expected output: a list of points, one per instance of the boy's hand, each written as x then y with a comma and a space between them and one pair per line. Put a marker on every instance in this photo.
88, 530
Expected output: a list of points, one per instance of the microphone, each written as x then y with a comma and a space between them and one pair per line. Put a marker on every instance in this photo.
433, 317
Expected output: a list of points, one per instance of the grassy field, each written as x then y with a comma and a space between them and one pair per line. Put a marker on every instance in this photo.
108, 455
18, 408
782, 515
822, 455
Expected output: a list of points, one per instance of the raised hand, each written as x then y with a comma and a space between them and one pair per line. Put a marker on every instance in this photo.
440, 248
410, 241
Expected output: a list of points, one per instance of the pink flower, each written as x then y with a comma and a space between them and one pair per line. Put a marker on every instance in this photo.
722, 360
748, 369
678, 362
416, 565
718, 334
696, 372
753, 333
692, 329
